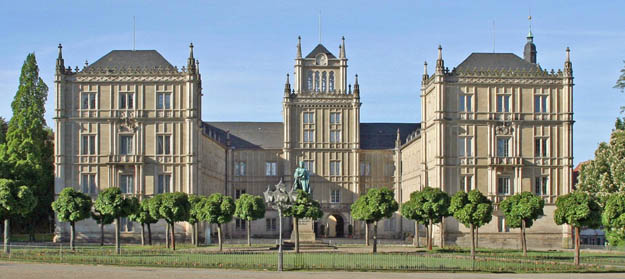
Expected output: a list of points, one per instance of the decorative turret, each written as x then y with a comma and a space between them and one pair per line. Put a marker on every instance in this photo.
529, 53
191, 65
425, 72
356, 87
440, 64
398, 139
287, 86
60, 63
342, 48
299, 47
568, 66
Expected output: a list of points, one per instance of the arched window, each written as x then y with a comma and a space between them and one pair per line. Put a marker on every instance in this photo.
324, 82
316, 81
331, 82
310, 81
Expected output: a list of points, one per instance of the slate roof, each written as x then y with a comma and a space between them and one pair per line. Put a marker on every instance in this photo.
270, 135
149, 59
320, 49
496, 61
383, 135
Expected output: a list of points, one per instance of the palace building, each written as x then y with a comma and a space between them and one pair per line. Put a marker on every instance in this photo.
496, 122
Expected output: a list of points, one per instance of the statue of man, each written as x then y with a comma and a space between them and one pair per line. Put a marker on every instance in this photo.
301, 179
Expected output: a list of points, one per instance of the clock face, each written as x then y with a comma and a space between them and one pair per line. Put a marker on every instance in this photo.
322, 60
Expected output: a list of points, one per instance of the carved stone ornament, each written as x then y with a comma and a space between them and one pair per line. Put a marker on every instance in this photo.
504, 128
127, 121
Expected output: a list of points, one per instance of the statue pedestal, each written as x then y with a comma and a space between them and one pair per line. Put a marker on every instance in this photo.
306, 231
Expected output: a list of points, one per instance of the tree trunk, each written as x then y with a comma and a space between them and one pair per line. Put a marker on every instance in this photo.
173, 237
367, 233
102, 233
416, 233
142, 234
442, 232
72, 235
219, 237
477, 238
577, 244
31, 229
7, 236
296, 235
249, 232
523, 241
167, 235
117, 229
149, 235
195, 235
375, 237
472, 242
430, 236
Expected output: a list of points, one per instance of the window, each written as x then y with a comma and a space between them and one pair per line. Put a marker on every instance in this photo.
540, 103
163, 144
271, 168
126, 184
465, 146
310, 81
324, 82
125, 225
240, 224
541, 147
239, 168
309, 117
164, 183
365, 168
503, 147
335, 168
126, 100
466, 183
88, 184
238, 193
309, 135
88, 100
503, 103
541, 185
270, 224
503, 186
335, 118
309, 165
464, 103
331, 82
163, 100
501, 224
316, 81
335, 196
88, 145
125, 146
335, 136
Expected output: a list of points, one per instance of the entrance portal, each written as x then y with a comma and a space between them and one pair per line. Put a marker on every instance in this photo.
336, 226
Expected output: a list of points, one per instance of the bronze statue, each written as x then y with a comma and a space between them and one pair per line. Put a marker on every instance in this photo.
301, 178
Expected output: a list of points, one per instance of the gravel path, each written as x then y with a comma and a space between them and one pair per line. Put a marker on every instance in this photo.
57, 271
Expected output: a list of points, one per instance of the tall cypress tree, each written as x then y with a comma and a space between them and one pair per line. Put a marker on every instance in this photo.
27, 152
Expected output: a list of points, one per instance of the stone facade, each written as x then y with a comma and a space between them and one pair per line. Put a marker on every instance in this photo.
497, 122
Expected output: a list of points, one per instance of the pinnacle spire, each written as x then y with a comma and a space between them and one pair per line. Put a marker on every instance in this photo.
440, 64
287, 86
191, 50
568, 54
342, 48
356, 87
60, 63
398, 139
299, 47
191, 65
60, 51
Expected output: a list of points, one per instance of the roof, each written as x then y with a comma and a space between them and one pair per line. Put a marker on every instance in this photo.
495, 61
320, 49
149, 59
248, 135
383, 135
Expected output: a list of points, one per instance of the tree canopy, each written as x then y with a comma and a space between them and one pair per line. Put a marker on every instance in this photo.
472, 208
578, 209
72, 206
613, 218
174, 207
620, 82
15, 200
249, 207
376, 204
111, 202
304, 207
522, 206
605, 174
195, 208
218, 209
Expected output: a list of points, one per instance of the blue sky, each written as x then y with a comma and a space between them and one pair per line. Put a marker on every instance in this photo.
245, 48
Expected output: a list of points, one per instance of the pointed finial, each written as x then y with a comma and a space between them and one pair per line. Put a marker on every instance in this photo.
356, 80
425, 68
342, 48
287, 86
440, 52
86, 63
568, 54
398, 139
191, 50
60, 51
287, 79
299, 47
440, 65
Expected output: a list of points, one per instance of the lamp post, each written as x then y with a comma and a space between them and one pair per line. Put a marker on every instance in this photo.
280, 198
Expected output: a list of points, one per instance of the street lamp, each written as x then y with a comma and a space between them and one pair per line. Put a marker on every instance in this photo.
280, 198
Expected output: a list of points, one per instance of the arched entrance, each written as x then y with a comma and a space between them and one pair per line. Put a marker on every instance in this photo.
336, 226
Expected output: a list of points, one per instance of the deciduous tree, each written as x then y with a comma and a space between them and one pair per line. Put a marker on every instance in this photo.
72, 206
249, 208
195, 203
174, 207
218, 209
376, 204
432, 205
111, 202
411, 210
102, 220
473, 210
14, 201
143, 216
613, 218
303, 207
520, 211
577, 209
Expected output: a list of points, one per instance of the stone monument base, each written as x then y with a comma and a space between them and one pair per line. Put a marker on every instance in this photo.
306, 230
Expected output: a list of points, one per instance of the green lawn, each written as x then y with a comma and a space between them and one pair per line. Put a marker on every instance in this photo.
488, 260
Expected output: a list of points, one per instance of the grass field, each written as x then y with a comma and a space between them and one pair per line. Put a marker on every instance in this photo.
488, 260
